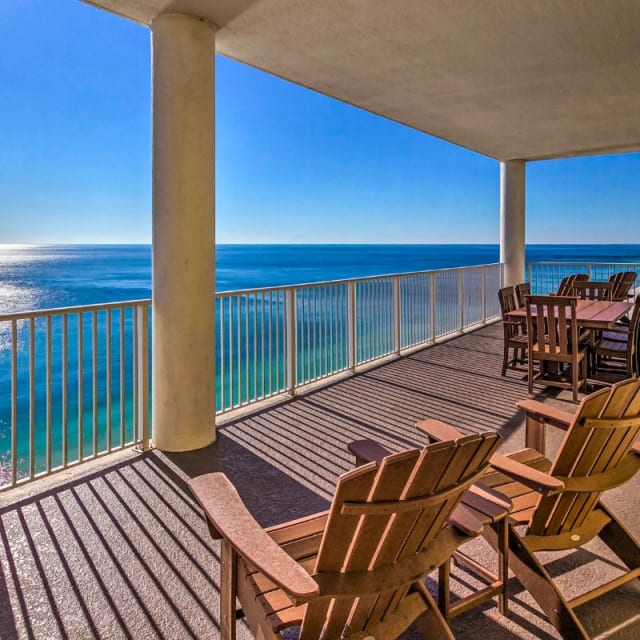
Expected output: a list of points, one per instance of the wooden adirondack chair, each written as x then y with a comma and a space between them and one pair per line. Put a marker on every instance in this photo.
565, 288
558, 503
355, 571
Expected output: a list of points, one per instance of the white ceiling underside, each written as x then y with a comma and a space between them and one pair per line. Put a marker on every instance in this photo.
525, 79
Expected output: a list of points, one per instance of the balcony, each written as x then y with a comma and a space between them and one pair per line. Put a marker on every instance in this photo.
117, 548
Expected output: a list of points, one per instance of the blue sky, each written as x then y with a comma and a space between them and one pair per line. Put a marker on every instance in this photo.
292, 165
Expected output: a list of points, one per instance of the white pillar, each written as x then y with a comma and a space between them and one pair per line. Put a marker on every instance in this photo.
183, 375
512, 220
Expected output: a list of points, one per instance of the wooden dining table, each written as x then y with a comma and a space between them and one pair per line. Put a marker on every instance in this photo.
590, 314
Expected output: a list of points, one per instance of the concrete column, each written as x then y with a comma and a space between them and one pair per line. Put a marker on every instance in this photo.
183, 374
512, 220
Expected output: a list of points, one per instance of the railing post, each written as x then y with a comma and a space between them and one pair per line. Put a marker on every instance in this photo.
461, 298
589, 270
484, 295
432, 305
142, 381
531, 277
397, 313
351, 325
292, 341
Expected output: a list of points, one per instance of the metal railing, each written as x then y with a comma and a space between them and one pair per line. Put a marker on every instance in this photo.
546, 276
77, 385
76, 380
276, 340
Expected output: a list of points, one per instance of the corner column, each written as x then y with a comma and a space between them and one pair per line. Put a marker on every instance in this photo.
512, 220
183, 369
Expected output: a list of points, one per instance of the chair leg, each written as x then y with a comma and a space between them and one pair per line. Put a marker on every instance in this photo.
431, 624
228, 590
576, 370
530, 373
537, 581
505, 359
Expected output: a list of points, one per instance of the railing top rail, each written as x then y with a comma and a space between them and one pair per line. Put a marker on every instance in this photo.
60, 311
324, 283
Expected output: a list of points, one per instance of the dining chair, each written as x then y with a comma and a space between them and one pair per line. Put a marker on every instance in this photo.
565, 288
622, 283
553, 342
592, 290
620, 344
523, 289
515, 334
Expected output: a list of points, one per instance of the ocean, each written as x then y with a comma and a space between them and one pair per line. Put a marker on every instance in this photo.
51, 276
86, 371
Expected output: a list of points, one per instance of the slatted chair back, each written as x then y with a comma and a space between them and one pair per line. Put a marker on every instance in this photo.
592, 290
507, 298
523, 289
552, 326
565, 288
381, 519
622, 283
593, 457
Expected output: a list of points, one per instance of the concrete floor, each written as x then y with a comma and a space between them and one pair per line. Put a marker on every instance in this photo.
122, 551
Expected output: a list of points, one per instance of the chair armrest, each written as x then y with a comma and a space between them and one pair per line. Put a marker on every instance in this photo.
438, 431
463, 519
532, 478
367, 451
546, 413
636, 448
230, 518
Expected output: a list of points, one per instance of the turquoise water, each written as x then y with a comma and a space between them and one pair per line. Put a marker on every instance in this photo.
44, 277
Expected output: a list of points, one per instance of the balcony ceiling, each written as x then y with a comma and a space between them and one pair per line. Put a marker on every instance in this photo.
506, 78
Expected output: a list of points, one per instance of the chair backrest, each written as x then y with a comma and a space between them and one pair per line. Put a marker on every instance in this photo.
566, 284
622, 283
383, 516
592, 290
507, 298
552, 325
594, 456
523, 289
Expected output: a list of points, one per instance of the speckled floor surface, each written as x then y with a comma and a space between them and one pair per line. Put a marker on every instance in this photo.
122, 551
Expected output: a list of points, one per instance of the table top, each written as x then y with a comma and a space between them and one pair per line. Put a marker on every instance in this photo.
591, 314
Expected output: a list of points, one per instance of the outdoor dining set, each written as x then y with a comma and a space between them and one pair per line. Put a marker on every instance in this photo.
358, 569
586, 330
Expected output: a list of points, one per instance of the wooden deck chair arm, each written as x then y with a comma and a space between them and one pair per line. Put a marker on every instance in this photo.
231, 520
438, 431
367, 451
546, 413
532, 478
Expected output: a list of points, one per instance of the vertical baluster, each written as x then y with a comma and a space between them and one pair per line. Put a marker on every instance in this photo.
484, 295
123, 379
142, 377
332, 348
397, 314
80, 387
32, 397
255, 347
315, 331
262, 344
231, 342
247, 361
291, 337
94, 379
432, 305
65, 390
49, 408
109, 380
279, 298
135, 387
220, 325
239, 347
14, 402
